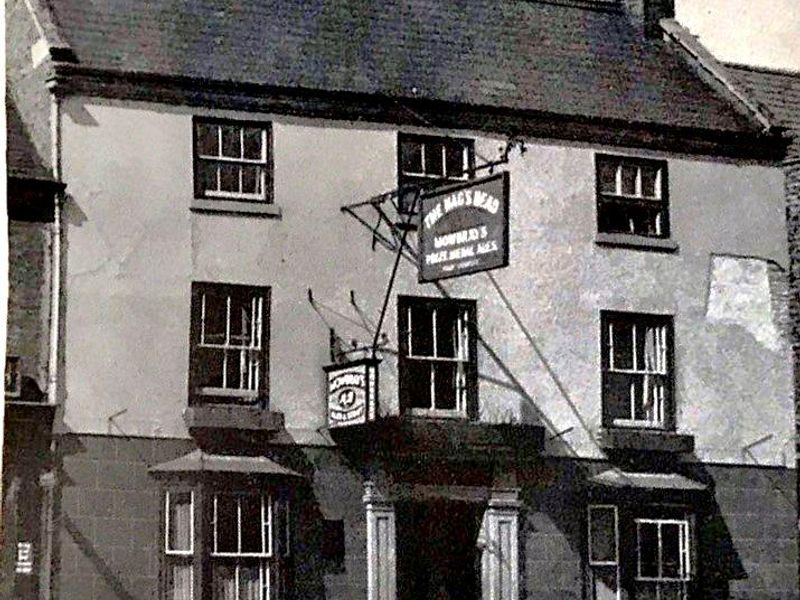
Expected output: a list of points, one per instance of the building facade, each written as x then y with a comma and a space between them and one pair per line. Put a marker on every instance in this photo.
257, 396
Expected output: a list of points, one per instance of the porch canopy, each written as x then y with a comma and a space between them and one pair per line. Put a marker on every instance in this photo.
199, 461
616, 478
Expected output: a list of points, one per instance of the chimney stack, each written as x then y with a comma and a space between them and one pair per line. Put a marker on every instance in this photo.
645, 15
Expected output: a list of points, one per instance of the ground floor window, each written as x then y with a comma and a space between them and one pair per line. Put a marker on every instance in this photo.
225, 545
646, 550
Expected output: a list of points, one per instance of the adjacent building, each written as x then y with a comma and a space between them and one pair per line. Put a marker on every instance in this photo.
407, 299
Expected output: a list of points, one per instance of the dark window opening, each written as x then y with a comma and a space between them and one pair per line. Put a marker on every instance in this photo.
229, 343
438, 356
637, 370
632, 196
426, 162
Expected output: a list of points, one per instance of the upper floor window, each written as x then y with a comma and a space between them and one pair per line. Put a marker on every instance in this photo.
229, 342
425, 161
242, 541
438, 356
232, 160
637, 370
632, 196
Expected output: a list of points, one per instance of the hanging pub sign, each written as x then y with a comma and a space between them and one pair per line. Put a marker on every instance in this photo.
352, 392
464, 228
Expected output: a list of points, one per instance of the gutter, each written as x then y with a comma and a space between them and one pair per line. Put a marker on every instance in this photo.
702, 58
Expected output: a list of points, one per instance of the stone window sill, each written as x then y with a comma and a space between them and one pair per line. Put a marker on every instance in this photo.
636, 242
237, 207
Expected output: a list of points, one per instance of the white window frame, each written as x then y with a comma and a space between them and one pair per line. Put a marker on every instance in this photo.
661, 371
250, 355
601, 565
461, 357
266, 527
684, 553
424, 143
219, 159
167, 512
619, 195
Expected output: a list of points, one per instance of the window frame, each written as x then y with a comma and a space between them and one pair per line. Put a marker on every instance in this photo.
410, 181
603, 198
458, 305
668, 409
274, 566
685, 551
265, 163
628, 514
224, 395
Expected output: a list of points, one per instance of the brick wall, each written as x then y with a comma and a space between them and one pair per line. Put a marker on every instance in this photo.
28, 302
109, 514
109, 517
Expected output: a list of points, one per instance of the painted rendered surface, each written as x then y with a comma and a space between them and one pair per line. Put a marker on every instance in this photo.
134, 246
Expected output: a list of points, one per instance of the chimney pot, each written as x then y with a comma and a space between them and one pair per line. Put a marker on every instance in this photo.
646, 14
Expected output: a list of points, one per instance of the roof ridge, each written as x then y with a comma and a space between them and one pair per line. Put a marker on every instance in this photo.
760, 69
598, 5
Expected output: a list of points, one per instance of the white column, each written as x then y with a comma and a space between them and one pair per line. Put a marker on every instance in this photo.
500, 541
381, 555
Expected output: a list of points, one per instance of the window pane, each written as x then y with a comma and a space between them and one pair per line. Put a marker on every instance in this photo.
617, 396
242, 322
282, 527
621, 335
647, 590
648, 550
434, 161
411, 157
215, 319
252, 143
603, 532
231, 141
229, 178
207, 174
445, 382
671, 551
605, 583
629, 179
179, 581
422, 331
614, 217
649, 174
251, 525
227, 523
447, 333
455, 159
251, 179
417, 374
209, 367
207, 139
179, 535
224, 581
607, 176
249, 581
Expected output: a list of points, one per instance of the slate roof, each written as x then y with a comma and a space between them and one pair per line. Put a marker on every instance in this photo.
779, 91
568, 58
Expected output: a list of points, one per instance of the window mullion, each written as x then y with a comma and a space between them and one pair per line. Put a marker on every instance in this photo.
239, 524
660, 551
433, 385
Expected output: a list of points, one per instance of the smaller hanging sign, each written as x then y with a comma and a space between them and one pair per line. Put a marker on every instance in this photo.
464, 228
24, 565
352, 392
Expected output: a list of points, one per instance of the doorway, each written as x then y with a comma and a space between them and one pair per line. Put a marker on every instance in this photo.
437, 550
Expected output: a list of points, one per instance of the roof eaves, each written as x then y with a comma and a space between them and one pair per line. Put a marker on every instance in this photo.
689, 44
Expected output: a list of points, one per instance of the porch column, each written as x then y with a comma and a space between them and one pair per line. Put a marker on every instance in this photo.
500, 541
381, 567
